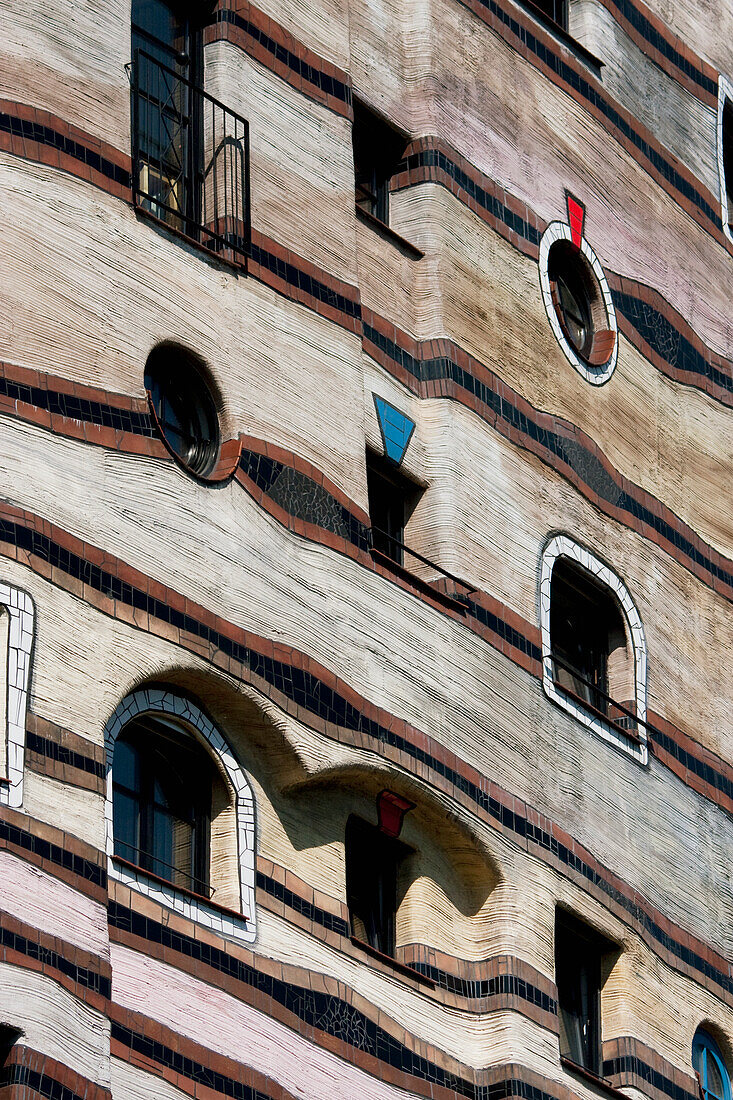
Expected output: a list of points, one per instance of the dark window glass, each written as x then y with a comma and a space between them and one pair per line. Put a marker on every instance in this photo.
728, 154
162, 786
372, 866
377, 152
585, 625
167, 52
557, 10
571, 295
708, 1063
184, 407
579, 953
392, 498
8, 1038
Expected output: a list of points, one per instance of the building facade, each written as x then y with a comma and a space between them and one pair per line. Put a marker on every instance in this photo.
366, 549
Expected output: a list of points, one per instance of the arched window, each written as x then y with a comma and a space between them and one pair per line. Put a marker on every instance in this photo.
180, 812
707, 1061
593, 646
163, 783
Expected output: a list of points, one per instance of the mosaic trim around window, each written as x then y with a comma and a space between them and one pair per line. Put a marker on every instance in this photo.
562, 546
18, 643
560, 231
725, 95
158, 701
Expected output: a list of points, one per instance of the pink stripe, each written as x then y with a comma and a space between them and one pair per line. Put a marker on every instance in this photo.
229, 1027
40, 900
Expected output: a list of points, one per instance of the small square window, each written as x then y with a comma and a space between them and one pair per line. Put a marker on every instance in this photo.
378, 149
582, 961
373, 862
392, 499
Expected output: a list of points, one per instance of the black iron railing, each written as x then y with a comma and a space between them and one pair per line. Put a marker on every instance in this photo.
556, 10
600, 702
190, 159
158, 868
395, 543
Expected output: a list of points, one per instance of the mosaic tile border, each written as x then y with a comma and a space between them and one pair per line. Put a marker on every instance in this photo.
725, 94
629, 1063
656, 329
338, 523
315, 696
273, 46
187, 1065
669, 51
561, 546
86, 976
189, 715
499, 982
439, 368
561, 231
29, 1075
57, 752
17, 661
292, 995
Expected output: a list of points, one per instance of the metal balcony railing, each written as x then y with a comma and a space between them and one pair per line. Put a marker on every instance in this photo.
190, 158
159, 869
556, 10
600, 702
386, 544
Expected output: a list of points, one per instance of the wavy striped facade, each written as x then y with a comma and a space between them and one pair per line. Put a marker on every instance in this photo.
246, 609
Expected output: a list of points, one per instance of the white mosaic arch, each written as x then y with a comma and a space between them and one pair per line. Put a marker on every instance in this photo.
725, 92
563, 547
182, 710
21, 615
560, 231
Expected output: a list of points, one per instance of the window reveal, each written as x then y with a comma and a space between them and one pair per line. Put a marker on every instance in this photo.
580, 954
392, 499
373, 862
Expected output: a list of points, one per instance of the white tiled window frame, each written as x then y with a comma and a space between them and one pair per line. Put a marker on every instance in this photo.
560, 231
182, 710
725, 94
19, 608
561, 546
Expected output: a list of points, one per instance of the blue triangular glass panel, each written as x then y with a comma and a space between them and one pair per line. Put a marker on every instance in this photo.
396, 429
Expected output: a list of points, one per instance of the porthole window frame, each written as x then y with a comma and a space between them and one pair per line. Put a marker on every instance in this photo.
184, 712
555, 233
725, 96
562, 546
194, 378
16, 654
703, 1040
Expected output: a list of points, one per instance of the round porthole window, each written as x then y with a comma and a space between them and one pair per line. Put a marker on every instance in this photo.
578, 303
184, 407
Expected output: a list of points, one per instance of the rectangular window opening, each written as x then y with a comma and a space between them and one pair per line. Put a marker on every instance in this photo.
378, 149
392, 500
583, 960
190, 152
373, 862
